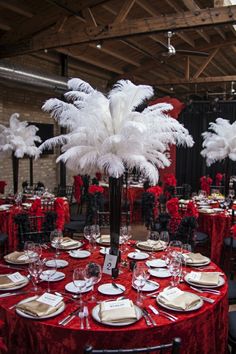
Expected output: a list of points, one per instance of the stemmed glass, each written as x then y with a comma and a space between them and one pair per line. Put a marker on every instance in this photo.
175, 247
79, 280
48, 273
153, 236
93, 273
35, 269
175, 270
139, 278
56, 238
165, 237
29, 247
186, 248
95, 233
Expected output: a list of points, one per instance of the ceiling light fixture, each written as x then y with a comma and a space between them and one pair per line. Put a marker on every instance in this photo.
99, 45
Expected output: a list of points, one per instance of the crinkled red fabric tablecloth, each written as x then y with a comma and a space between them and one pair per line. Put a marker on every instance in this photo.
203, 331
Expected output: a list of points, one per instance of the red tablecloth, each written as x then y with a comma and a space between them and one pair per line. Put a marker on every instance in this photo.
203, 331
217, 226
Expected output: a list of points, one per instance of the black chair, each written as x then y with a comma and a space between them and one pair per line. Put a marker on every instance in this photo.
3, 242
232, 331
173, 348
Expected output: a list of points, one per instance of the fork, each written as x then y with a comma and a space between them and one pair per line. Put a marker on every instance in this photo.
117, 286
86, 314
201, 290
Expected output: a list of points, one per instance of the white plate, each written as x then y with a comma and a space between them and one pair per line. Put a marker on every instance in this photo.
18, 262
73, 289
59, 262
95, 315
105, 250
78, 245
198, 264
150, 286
221, 282
98, 240
143, 248
156, 263
109, 289
19, 286
79, 254
55, 277
160, 272
138, 255
26, 315
193, 308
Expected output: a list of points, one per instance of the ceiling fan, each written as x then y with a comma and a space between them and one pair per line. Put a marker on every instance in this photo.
171, 50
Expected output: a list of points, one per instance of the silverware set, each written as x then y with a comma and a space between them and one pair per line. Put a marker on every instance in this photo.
206, 290
166, 314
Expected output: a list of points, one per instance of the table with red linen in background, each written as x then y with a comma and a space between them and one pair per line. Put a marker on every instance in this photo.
202, 331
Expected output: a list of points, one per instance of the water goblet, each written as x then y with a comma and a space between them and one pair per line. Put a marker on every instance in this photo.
35, 269
186, 248
49, 273
56, 238
79, 280
175, 270
165, 237
29, 247
93, 273
175, 246
152, 237
139, 278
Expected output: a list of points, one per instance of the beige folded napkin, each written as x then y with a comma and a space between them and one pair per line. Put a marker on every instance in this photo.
17, 257
105, 239
178, 299
151, 245
38, 309
117, 311
68, 242
204, 278
6, 282
194, 258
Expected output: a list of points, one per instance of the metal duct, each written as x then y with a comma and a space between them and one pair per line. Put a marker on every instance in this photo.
21, 75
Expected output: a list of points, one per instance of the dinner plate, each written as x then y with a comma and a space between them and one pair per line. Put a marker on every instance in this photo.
23, 262
105, 250
141, 247
55, 277
198, 264
98, 240
156, 263
61, 263
96, 317
79, 254
73, 289
138, 255
78, 245
150, 286
193, 308
19, 286
26, 315
109, 289
160, 272
221, 282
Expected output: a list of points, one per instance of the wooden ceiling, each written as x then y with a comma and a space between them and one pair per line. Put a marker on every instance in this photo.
132, 35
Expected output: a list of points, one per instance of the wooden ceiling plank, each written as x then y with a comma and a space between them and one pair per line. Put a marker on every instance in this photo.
89, 18
187, 68
124, 11
215, 65
16, 7
4, 25
187, 20
198, 80
61, 23
220, 32
205, 63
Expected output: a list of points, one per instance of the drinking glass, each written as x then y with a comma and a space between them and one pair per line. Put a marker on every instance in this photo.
165, 237
186, 248
79, 280
35, 269
48, 273
153, 236
175, 247
56, 238
29, 247
139, 278
93, 273
175, 270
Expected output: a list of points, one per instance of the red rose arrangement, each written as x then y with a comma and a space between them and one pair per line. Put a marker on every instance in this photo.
172, 206
206, 182
95, 189
218, 179
191, 210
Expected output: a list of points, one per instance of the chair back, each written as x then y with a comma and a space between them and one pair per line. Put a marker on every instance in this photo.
173, 347
103, 218
65, 191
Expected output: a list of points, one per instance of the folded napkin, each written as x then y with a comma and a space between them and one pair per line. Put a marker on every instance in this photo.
105, 239
204, 278
38, 309
152, 245
68, 242
6, 282
117, 311
178, 299
194, 258
17, 257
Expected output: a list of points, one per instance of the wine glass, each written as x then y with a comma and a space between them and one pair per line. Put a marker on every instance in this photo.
79, 280
49, 273
152, 237
95, 233
186, 248
175, 266
175, 246
93, 273
35, 269
139, 278
56, 238
29, 247
165, 237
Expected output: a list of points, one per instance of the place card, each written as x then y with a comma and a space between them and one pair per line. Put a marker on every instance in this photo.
112, 305
195, 276
171, 293
50, 299
16, 277
110, 262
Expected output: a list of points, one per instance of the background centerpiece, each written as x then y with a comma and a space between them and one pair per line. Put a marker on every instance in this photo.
106, 134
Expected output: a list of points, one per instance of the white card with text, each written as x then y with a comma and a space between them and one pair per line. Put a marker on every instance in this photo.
109, 263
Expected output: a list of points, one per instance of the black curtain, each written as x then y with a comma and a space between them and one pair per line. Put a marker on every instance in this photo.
190, 165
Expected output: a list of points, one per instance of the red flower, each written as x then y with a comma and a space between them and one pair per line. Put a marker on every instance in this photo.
98, 176
95, 189
170, 180
206, 184
155, 190
219, 178
173, 207
191, 210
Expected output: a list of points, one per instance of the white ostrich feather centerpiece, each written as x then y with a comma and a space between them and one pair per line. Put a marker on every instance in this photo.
106, 134
19, 138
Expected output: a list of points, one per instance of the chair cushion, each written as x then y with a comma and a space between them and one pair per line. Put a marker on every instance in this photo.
232, 325
227, 242
201, 237
3, 238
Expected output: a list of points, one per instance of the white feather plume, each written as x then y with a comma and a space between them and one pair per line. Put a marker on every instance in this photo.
19, 138
220, 141
107, 134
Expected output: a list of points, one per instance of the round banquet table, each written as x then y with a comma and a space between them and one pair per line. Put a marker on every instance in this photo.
202, 331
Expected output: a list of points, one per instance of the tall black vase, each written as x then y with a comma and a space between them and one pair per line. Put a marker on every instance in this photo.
228, 169
115, 191
15, 168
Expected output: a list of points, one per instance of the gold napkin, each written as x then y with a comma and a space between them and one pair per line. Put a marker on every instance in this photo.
68, 242
105, 239
184, 301
195, 258
6, 283
151, 245
204, 278
38, 309
17, 257
117, 311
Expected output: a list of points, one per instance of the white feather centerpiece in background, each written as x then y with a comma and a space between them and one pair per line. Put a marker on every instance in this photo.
18, 140
219, 143
106, 134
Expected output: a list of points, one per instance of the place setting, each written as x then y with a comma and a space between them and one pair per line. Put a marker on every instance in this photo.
12, 281
205, 279
67, 243
79, 253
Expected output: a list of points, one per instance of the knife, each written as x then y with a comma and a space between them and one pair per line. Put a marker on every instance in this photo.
12, 267
148, 322
65, 320
150, 317
15, 293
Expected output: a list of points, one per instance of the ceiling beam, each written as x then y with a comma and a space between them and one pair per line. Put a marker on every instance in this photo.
187, 68
124, 11
185, 20
199, 80
205, 63
14, 6
4, 25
